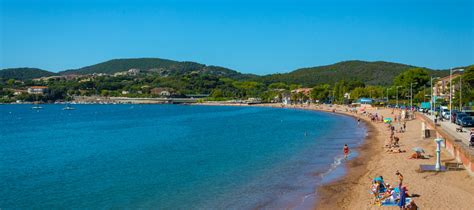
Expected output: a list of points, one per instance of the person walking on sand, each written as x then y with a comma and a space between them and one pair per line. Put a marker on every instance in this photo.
346, 151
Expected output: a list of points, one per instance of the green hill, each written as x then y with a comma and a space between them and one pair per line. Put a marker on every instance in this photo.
162, 66
24, 73
372, 73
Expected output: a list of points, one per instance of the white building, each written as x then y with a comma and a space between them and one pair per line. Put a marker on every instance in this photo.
37, 89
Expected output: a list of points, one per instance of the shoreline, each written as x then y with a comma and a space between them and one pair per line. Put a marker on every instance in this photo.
351, 190
330, 194
429, 190
354, 168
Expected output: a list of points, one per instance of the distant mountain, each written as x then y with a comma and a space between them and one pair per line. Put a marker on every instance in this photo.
162, 66
372, 73
24, 73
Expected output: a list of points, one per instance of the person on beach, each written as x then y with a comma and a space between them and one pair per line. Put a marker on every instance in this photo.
392, 150
400, 178
396, 141
412, 205
416, 155
403, 196
346, 151
404, 126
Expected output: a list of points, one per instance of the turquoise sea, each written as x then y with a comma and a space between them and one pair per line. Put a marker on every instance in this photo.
168, 156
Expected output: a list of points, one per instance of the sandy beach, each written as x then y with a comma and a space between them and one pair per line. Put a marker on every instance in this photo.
429, 190
446, 190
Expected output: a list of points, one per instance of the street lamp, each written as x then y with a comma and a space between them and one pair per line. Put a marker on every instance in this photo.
460, 93
387, 94
432, 106
411, 94
451, 90
397, 94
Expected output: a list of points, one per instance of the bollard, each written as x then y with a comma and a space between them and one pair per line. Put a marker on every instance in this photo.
438, 153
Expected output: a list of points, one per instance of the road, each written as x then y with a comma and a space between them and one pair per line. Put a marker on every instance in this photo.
450, 128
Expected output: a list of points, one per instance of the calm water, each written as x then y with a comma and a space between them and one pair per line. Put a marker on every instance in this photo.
167, 156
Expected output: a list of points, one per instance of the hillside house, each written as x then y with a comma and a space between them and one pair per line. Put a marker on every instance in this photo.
161, 91
37, 90
441, 87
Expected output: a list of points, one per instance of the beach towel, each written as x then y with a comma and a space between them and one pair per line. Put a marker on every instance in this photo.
388, 202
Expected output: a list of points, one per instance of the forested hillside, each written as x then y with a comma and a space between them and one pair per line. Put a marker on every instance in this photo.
372, 73
162, 66
24, 73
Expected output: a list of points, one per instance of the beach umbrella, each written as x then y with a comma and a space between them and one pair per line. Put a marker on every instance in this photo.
379, 179
418, 149
387, 120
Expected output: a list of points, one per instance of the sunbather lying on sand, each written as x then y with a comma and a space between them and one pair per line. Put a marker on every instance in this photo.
395, 150
417, 155
389, 194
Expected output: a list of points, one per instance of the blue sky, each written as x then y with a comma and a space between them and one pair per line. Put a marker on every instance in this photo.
249, 36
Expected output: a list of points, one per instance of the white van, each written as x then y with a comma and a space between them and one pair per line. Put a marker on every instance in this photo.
445, 112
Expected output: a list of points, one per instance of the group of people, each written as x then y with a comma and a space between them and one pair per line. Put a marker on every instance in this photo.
390, 195
394, 141
384, 193
375, 117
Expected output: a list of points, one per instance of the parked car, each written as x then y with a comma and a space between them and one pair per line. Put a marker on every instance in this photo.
459, 116
445, 113
469, 112
467, 121
454, 116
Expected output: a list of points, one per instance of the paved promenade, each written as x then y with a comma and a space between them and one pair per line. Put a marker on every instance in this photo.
450, 128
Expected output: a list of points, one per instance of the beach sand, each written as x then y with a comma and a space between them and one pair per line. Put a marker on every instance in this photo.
444, 190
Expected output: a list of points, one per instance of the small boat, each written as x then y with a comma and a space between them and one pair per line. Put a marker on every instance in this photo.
36, 107
68, 107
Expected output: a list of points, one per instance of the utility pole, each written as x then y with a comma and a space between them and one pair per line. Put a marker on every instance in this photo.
460, 93
411, 95
432, 97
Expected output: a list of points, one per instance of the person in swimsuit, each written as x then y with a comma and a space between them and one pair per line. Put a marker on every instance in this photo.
346, 151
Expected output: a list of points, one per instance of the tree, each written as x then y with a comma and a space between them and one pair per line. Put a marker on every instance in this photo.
217, 93
367, 92
467, 80
278, 85
417, 76
320, 92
